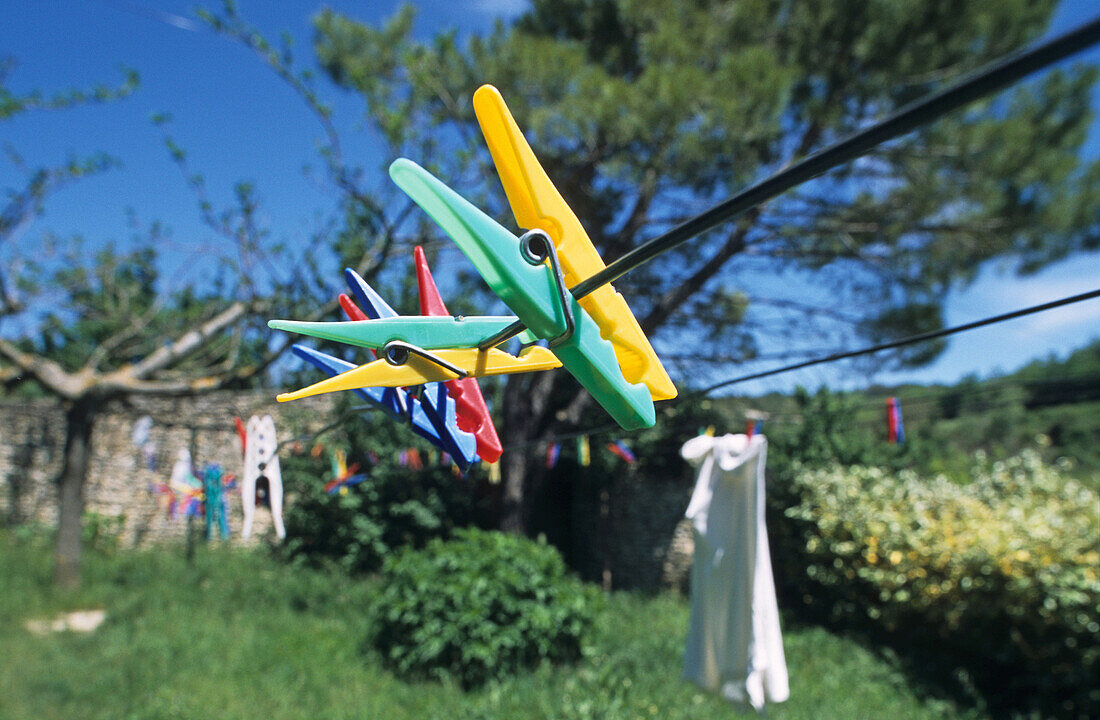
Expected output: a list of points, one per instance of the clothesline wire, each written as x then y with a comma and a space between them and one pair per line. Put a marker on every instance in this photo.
864, 422
960, 393
907, 398
984, 81
910, 340
588, 432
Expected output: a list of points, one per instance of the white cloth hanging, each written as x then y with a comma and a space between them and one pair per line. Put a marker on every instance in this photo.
139, 433
261, 459
734, 645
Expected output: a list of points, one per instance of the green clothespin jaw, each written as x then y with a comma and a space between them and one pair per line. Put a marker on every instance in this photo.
532, 292
427, 332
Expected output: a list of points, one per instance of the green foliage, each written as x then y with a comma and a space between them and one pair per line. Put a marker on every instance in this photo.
104, 293
358, 528
479, 607
823, 434
12, 104
101, 533
252, 637
1002, 571
1051, 405
1057, 401
635, 109
395, 506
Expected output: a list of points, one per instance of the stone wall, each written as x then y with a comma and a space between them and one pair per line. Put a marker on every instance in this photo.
621, 529
32, 436
624, 530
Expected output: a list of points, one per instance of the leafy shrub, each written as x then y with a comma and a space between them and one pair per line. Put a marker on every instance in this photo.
827, 436
479, 607
357, 529
101, 533
1004, 570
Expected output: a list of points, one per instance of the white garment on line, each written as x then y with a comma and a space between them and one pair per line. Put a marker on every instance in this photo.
734, 644
261, 459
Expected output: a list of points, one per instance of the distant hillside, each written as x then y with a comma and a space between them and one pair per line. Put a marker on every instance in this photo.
1053, 402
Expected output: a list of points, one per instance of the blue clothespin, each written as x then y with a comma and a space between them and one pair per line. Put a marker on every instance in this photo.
382, 397
437, 405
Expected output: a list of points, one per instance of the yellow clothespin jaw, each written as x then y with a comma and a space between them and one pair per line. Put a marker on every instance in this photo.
537, 204
418, 370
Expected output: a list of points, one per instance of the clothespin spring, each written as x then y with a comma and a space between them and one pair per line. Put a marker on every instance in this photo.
536, 247
397, 353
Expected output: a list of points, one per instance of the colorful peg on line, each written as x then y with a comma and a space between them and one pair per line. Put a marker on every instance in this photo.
536, 203
533, 293
473, 414
432, 416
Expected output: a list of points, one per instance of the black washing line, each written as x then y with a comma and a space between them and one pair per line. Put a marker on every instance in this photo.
912, 339
990, 79
862, 422
921, 399
922, 337
985, 81
982, 389
865, 423
986, 386
976, 394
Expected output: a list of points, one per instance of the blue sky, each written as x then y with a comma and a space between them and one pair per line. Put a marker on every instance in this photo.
238, 122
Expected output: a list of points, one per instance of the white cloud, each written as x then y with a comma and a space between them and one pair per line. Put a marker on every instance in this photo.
1082, 318
500, 8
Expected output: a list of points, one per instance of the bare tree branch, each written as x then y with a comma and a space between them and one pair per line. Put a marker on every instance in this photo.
676, 297
103, 350
187, 343
47, 372
639, 214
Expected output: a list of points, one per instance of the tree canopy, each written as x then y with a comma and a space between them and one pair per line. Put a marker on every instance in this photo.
645, 113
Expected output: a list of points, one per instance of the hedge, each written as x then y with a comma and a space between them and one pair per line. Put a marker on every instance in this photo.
478, 607
1004, 571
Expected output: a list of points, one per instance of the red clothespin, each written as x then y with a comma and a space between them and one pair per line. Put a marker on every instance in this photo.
895, 430
473, 414
241, 433
553, 450
750, 428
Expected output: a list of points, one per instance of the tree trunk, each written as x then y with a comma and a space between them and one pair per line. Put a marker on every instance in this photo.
79, 419
525, 402
514, 476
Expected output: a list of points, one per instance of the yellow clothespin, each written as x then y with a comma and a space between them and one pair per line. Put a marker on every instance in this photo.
584, 451
537, 204
418, 370
494, 472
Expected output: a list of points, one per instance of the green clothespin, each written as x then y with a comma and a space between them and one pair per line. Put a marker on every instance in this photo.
534, 291
425, 331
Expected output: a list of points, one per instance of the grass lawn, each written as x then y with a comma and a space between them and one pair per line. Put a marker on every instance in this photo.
236, 634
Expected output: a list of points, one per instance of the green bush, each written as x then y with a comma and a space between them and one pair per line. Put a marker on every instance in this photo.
101, 533
357, 529
479, 607
1004, 570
